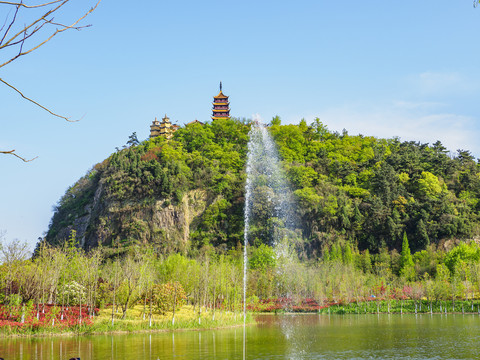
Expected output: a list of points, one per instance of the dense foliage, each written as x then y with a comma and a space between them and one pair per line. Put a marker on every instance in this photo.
68, 278
361, 190
370, 191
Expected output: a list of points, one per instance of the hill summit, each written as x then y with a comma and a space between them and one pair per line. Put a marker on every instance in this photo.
183, 193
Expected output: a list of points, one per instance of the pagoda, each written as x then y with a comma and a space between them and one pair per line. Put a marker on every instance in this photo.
164, 128
221, 108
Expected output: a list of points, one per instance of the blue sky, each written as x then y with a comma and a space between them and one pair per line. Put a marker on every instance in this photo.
383, 68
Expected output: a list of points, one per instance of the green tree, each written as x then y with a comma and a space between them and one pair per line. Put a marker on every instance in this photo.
421, 235
366, 262
429, 185
347, 255
463, 253
133, 140
276, 121
262, 257
130, 273
407, 267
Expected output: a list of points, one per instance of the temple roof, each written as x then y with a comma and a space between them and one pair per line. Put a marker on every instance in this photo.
195, 122
220, 96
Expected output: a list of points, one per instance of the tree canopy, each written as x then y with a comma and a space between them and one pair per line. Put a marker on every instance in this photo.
348, 188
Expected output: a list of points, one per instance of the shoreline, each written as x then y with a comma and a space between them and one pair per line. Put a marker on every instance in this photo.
117, 332
368, 313
102, 327
185, 319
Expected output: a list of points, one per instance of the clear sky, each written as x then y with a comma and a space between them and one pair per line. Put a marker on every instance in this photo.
385, 68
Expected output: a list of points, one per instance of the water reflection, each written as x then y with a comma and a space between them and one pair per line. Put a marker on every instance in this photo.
287, 337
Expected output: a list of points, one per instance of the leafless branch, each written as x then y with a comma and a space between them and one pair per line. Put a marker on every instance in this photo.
29, 37
55, 33
26, 35
29, 6
38, 20
12, 152
9, 25
36, 103
72, 27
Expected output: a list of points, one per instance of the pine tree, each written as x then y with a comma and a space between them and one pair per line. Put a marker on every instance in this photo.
422, 235
133, 140
367, 262
357, 218
347, 255
336, 253
406, 261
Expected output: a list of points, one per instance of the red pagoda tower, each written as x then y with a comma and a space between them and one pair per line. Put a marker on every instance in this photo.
221, 108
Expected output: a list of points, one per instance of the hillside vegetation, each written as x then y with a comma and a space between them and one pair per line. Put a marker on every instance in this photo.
188, 192
383, 226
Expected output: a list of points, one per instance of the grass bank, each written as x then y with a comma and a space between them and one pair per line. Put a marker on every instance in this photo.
185, 319
404, 307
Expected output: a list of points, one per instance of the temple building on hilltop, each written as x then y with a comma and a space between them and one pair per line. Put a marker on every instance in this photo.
164, 128
221, 108
194, 122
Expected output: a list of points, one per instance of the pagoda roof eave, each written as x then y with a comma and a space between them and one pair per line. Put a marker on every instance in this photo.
220, 96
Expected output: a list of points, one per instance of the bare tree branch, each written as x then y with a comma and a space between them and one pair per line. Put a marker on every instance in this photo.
12, 152
29, 6
26, 36
23, 37
38, 20
10, 25
55, 33
36, 103
71, 27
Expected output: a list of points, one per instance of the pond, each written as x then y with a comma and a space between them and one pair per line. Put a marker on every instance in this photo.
276, 337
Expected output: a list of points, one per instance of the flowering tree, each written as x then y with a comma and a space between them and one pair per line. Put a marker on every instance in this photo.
169, 297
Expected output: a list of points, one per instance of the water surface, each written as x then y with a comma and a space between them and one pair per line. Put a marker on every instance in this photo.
276, 337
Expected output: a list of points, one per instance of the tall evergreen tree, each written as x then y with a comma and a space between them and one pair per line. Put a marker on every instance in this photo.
367, 262
133, 140
422, 236
406, 261
347, 255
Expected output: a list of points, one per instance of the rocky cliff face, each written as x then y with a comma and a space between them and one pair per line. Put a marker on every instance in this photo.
158, 221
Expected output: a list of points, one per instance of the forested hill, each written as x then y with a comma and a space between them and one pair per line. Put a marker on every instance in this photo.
188, 192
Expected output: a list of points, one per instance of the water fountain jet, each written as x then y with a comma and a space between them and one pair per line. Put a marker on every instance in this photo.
266, 184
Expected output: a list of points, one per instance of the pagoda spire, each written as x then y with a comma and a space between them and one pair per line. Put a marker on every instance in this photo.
220, 86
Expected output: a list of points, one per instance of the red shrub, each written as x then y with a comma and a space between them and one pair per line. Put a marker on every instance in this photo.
10, 316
